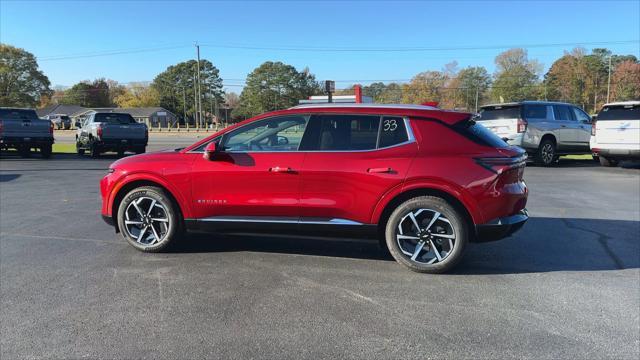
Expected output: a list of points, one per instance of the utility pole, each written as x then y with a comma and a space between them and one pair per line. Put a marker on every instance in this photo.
184, 104
199, 104
609, 80
477, 91
195, 100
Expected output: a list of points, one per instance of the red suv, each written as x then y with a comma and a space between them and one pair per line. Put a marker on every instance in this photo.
423, 180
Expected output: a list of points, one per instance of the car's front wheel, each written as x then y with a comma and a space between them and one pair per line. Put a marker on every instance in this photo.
609, 162
427, 234
148, 219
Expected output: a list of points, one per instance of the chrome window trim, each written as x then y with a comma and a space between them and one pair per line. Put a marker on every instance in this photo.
407, 126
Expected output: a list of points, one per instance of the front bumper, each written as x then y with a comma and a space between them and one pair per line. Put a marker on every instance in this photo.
502, 227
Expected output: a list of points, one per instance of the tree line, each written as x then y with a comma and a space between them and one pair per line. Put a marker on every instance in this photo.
579, 77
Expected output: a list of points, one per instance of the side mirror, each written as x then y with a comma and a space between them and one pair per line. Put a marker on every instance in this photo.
210, 151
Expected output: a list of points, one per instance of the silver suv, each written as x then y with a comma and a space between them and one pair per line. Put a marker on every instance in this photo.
544, 129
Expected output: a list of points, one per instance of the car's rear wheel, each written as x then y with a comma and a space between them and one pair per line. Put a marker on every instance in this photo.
79, 149
609, 162
427, 235
46, 151
148, 219
546, 154
95, 150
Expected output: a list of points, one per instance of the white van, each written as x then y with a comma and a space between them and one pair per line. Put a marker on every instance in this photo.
615, 135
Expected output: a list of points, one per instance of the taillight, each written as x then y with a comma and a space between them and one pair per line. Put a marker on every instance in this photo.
51, 128
146, 132
499, 165
99, 131
1, 127
593, 128
522, 125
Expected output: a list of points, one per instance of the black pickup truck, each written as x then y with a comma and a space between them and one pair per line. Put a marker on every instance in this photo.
21, 129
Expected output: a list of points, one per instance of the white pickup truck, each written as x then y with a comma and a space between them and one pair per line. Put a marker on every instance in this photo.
21, 129
110, 131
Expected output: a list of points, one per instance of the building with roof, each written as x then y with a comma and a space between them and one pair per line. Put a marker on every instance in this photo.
151, 116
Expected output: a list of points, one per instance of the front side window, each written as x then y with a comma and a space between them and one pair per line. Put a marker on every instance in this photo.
580, 115
272, 134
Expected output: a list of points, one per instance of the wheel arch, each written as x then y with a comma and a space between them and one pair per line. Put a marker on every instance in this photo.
137, 182
382, 215
549, 136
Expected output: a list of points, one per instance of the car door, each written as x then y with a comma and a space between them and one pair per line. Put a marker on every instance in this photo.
565, 127
583, 131
255, 178
353, 160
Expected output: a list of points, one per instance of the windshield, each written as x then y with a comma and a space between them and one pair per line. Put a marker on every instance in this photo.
115, 118
499, 112
621, 112
18, 114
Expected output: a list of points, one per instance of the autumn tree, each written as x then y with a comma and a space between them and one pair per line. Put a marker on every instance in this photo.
424, 87
470, 87
22, 84
516, 77
626, 81
138, 95
274, 86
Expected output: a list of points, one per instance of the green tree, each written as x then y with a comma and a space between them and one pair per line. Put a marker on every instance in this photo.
392, 94
93, 94
274, 86
22, 84
177, 84
516, 77
472, 84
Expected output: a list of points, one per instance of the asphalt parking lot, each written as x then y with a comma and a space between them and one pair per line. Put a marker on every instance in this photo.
566, 286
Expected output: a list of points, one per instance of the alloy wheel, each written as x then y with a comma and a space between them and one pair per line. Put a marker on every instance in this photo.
547, 153
147, 221
425, 236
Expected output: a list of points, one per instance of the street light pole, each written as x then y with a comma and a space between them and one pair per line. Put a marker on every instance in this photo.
609, 80
199, 101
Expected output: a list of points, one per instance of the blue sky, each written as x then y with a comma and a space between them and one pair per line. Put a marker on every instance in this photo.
57, 29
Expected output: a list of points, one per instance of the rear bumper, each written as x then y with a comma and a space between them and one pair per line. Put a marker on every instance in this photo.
618, 153
121, 143
10, 141
502, 227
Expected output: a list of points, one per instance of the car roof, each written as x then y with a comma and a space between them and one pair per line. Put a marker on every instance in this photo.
527, 102
622, 103
366, 105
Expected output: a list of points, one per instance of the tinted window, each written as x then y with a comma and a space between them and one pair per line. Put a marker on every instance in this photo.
535, 111
65, 117
562, 112
392, 131
480, 134
580, 115
628, 112
342, 132
499, 112
114, 118
272, 134
18, 114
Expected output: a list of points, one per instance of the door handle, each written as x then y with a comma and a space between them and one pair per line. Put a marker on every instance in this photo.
380, 170
278, 169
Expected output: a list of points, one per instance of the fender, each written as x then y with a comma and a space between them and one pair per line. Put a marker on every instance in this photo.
430, 183
182, 202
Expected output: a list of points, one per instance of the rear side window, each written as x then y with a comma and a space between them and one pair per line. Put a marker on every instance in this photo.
562, 112
392, 132
536, 111
18, 114
114, 118
499, 112
341, 133
622, 112
480, 134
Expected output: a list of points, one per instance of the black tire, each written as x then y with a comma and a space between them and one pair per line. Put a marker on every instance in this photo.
46, 151
427, 205
546, 154
79, 149
608, 162
141, 150
95, 151
143, 194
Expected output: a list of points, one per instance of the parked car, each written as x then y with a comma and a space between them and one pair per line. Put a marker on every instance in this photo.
426, 181
110, 131
60, 121
544, 129
21, 129
615, 134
